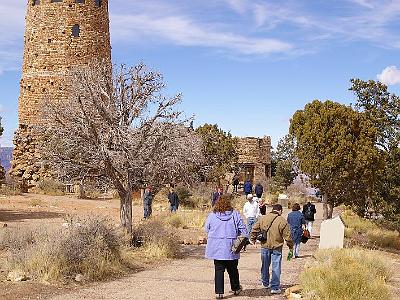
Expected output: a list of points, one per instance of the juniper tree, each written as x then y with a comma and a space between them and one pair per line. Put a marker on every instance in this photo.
336, 148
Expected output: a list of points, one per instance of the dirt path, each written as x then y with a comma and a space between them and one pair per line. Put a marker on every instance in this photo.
193, 277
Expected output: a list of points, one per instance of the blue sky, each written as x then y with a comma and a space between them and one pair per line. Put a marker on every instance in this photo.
245, 65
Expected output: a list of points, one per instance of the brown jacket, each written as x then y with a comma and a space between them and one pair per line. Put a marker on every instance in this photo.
279, 231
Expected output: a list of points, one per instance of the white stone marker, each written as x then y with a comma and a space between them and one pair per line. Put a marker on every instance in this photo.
283, 200
332, 234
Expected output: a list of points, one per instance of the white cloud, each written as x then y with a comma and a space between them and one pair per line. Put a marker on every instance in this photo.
364, 3
184, 31
239, 6
390, 75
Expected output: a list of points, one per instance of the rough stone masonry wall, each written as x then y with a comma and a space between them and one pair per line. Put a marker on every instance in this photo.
50, 50
256, 152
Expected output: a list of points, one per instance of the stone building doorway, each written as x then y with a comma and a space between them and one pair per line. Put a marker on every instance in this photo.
246, 172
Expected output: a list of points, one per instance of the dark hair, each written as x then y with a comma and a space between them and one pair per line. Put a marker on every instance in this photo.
296, 207
277, 207
223, 203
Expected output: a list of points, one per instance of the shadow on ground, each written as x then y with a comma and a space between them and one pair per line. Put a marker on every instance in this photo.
258, 293
14, 216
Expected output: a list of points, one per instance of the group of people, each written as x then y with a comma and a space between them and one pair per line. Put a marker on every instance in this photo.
148, 196
225, 224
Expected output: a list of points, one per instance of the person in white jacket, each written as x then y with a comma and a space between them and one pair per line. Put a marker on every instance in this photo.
251, 211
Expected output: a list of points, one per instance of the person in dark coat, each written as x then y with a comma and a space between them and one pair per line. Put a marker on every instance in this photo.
259, 189
309, 211
147, 202
247, 188
262, 206
296, 221
173, 200
235, 183
216, 195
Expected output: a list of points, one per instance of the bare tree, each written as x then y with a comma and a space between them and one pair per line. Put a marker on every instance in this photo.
123, 130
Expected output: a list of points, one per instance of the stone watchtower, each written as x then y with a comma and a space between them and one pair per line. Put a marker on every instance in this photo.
255, 159
59, 34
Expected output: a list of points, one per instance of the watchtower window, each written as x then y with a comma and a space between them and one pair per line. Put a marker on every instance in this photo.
98, 2
53, 1
76, 31
35, 2
80, 1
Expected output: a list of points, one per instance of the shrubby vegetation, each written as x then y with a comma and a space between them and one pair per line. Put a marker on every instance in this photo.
90, 247
352, 155
156, 241
187, 219
219, 149
346, 274
50, 187
365, 232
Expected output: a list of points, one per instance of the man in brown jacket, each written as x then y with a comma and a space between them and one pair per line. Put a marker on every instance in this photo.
278, 230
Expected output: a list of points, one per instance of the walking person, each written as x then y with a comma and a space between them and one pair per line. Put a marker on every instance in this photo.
277, 230
147, 202
262, 206
309, 212
235, 183
216, 195
296, 221
259, 189
223, 226
247, 187
173, 200
251, 211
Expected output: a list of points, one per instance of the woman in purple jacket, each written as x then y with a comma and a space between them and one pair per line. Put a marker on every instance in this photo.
223, 226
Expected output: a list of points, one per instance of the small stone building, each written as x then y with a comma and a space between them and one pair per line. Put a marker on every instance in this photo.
254, 159
59, 35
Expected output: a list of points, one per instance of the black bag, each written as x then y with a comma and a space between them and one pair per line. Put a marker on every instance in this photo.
262, 236
240, 241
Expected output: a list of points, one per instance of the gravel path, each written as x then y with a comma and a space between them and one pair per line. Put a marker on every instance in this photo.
193, 277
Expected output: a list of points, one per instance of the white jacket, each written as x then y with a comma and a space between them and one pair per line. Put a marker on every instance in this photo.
251, 209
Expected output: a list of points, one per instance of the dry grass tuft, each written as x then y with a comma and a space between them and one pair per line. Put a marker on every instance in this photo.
89, 247
374, 235
35, 202
186, 219
50, 187
346, 274
156, 241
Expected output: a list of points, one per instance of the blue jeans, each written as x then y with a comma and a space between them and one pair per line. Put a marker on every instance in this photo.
173, 208
250, 224
147, 210
296, 249
269, 256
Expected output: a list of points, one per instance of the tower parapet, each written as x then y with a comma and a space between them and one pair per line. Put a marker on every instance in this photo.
59, 35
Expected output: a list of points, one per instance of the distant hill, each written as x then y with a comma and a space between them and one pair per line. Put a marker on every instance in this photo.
6, 157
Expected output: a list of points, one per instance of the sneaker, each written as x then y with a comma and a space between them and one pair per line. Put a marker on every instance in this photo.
219, 296
266, 286
237, 292
274, 292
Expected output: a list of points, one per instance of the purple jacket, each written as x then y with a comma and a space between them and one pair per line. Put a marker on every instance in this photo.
223, 229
